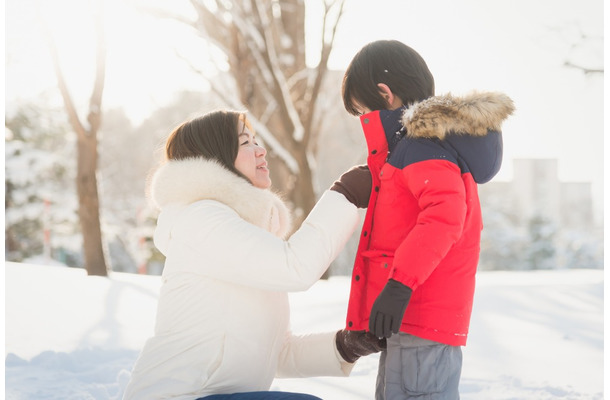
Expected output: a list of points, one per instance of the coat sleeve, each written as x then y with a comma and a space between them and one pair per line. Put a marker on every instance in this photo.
311, 355
212, 240
441, 197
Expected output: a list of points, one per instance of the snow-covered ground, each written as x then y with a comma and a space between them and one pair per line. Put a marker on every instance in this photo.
534, 335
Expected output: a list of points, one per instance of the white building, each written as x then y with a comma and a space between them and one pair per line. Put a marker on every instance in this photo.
539, 217
536, 191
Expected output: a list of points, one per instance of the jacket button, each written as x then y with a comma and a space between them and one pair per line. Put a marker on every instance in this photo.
385, 265
357, 277
365, 233
374, 152
366, 120
350, 324
376, 188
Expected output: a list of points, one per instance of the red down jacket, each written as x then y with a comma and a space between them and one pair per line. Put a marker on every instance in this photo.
423, 224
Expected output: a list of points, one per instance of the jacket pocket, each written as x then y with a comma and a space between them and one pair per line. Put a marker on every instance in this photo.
379, 265
387, 188
429, 369
378, 272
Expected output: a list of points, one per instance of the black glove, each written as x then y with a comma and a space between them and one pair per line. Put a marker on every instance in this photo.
389, 309
355, 184
355, 344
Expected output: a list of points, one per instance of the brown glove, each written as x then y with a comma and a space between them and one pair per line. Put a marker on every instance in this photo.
355, 344
355, 184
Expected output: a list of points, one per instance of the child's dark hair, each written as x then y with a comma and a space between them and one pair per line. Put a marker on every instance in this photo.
392, 63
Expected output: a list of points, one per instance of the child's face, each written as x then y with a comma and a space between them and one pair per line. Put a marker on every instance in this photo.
392, 101
360, 108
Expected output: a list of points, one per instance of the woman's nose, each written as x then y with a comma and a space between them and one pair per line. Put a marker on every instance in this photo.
261, 151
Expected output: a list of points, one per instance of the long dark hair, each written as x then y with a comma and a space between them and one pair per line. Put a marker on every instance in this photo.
390, 62
211, 136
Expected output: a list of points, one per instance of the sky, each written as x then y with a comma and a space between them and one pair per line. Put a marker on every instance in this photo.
534, 335
514, 46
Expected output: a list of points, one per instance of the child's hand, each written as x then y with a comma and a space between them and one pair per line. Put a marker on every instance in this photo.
389, 309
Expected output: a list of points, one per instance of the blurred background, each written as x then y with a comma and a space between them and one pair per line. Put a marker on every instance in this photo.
93, 88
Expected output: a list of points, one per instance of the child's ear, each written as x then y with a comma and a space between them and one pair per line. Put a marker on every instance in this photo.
393, 102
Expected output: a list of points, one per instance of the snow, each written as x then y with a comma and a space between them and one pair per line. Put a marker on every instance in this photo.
534, 335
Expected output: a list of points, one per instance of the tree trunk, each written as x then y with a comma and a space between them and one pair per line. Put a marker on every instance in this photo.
88, 201
297, 189
86, 178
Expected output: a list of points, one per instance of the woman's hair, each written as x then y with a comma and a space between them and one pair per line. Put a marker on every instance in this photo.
390, 62
211, 136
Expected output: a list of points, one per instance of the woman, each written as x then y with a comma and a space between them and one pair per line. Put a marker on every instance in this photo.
223, 316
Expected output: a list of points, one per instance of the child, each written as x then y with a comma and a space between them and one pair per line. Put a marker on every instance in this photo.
414, 272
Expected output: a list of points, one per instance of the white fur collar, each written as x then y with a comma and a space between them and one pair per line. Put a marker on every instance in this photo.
190, 180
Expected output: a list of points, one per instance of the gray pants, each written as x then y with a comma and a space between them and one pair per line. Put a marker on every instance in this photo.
414, 368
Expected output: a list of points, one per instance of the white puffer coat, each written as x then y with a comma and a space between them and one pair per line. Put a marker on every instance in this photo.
223, 315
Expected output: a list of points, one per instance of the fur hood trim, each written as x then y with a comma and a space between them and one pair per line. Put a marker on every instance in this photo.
184, 182
473, 114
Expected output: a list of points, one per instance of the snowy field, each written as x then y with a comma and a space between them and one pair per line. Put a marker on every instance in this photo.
534, 335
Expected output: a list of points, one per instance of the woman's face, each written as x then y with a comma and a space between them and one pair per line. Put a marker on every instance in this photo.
250, 159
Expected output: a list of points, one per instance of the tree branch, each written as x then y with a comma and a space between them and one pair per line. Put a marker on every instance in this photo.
260, 127
61, 81
586, 70
95, 104
279, 79
322, 67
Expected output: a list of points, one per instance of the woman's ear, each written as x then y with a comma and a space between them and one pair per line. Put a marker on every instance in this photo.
393, 102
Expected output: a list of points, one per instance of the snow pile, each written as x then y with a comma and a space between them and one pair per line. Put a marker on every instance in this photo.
534, 335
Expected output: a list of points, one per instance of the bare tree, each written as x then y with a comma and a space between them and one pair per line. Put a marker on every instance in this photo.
87, 153
581, 45
583, 41
263, 42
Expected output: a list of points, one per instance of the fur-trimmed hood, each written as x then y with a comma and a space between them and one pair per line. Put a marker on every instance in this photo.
176, 184
474, 114
468, 126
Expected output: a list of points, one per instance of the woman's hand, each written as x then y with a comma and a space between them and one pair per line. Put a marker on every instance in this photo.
355, 344
355, 184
